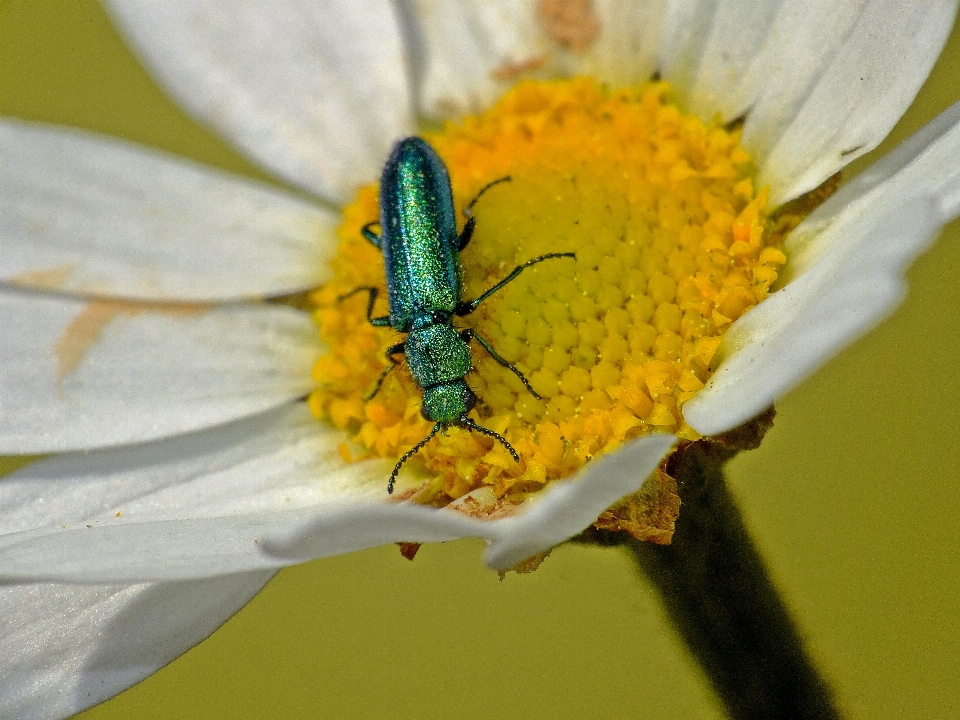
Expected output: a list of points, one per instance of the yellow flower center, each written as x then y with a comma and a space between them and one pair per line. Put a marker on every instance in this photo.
672, 241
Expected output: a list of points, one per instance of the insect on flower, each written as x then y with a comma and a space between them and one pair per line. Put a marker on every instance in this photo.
421, 255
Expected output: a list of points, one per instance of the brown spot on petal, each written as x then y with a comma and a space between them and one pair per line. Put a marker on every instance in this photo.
511, 71
649, 514
483, 504
48, 279
570, 23
85, 329
82, 332
422, 494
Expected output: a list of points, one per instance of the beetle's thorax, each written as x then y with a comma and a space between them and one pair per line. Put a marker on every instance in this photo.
436, 354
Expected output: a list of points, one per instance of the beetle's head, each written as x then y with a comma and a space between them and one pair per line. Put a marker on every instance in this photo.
447, 403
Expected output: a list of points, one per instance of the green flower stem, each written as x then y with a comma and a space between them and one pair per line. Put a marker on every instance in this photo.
720, 598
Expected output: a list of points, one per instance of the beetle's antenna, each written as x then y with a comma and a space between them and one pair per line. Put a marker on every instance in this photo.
409, 454
468, 210
464, 420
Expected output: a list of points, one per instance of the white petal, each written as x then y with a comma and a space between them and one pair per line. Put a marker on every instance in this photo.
569, 508
832, 81
709, 45
263, 463
462, 45
84, 214
315, 91
856, 281
558, 513
627, 46
199, 505
78, 375
64, 648
926, 164
256, 494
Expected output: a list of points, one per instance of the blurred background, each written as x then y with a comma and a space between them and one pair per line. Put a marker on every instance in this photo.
853, 500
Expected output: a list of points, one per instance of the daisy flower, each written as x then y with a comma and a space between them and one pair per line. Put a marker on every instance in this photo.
136, 351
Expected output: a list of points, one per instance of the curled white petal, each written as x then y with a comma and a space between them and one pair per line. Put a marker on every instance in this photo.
65, 648
568, 508
85, 214
78, 375
315, 91
256, 495
559, 512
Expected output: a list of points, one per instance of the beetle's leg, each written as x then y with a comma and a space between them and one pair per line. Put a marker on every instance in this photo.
467, 422
467, 335
468, 306
370, 234
382, 321
468, 213
409, 454
467, 232
391, 351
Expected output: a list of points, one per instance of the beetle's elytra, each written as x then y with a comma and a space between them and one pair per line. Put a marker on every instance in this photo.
421, 256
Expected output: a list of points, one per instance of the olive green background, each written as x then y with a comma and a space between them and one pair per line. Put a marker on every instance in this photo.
853, 499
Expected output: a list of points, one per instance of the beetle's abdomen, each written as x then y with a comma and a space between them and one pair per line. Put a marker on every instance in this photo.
419, 233
436, 354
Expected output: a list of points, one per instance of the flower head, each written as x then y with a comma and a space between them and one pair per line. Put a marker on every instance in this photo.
186, 469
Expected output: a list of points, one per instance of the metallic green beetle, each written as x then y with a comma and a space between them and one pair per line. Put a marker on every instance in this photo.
421, 255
